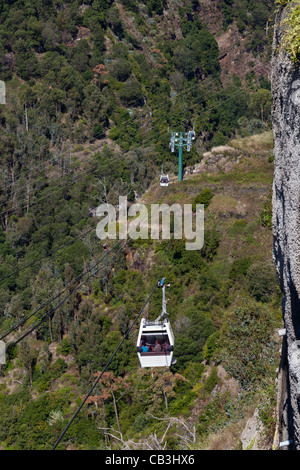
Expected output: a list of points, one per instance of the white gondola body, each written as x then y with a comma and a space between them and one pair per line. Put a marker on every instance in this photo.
164, 180
149, 332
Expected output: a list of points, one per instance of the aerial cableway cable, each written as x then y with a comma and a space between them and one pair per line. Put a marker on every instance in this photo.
90, 230
49, 312
92, 139
6, 212
51, 162
85, 233
51, 299
61, 184
53, 310
115, 351
79, 237
23, 320
157, 120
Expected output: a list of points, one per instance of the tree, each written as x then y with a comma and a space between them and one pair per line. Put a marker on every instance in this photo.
80, 56
260, 104
164, 384
110, 386
263, 281
197, 55
28, 356
121, 69
184, 432
131, 94
114, 21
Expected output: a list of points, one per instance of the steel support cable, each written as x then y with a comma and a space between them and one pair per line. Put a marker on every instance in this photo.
46, 256
114, 353
52, 191
92, 139
51, 299
72, 241
22, 321
79, 237
49, 163
43, 167
155, 122
76, 238
53, 309
25, 319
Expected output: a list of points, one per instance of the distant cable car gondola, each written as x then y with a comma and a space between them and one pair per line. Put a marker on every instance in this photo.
164, 180
155, 343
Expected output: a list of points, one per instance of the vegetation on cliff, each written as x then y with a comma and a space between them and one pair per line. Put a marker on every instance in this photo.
93, 87
291, 25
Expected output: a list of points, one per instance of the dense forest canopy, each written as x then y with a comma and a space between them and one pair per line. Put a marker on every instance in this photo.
93, 90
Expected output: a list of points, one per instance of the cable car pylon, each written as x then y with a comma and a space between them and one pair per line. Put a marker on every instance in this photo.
155, 342
180, 140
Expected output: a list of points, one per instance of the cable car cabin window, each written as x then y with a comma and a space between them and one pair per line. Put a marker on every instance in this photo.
155, 345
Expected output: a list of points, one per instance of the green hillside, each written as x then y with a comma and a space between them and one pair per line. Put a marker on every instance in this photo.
93, 90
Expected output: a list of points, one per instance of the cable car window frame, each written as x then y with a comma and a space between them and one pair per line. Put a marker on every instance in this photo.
150, 337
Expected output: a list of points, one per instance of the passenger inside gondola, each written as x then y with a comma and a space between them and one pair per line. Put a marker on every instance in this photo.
155, 344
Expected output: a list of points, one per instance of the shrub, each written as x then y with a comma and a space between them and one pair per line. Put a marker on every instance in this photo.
239, 268
247, 345
291, 41
211, 345
121, 70
58, 368
265, 216
263, 281
64, 347
204, 197
131, 94
140, 422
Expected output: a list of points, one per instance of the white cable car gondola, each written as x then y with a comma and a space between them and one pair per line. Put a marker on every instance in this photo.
164, 180
155, 343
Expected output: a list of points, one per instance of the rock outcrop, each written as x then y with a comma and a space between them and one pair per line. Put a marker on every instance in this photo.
286, 224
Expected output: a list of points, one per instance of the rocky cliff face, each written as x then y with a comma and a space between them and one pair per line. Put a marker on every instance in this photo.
286, 224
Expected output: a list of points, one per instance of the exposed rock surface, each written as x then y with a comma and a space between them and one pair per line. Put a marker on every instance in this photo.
250, 435
286, 223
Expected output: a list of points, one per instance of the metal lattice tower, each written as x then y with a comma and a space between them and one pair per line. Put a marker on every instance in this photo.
180, 140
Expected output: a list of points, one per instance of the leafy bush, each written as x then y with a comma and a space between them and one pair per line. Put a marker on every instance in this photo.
211, 345
247, 345
265, 216
121, 70
239, 268
211, 243
263, 281
204, 197
131, 94
291, 42
64, 347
